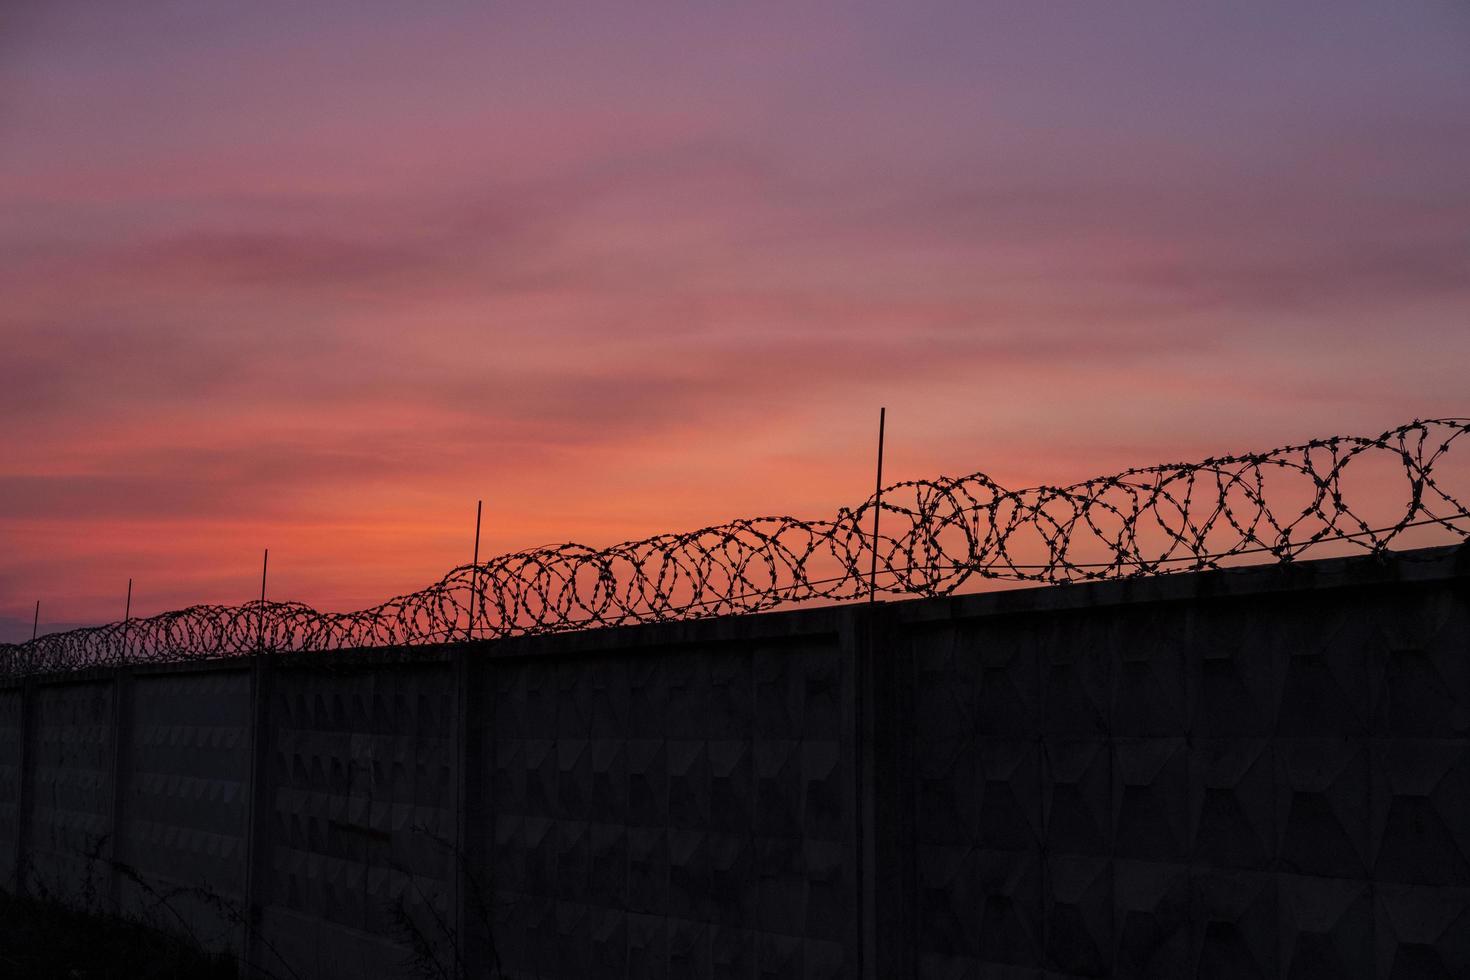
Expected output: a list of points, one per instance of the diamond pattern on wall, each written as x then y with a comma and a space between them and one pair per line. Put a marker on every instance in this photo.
690, 812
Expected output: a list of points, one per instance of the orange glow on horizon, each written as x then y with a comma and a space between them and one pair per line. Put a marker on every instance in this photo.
316, 280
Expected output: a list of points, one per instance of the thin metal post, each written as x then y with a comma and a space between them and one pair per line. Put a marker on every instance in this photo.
26, 790
475, 572
127, 617
36, 621
877, 509
459, 912
265, 562
117, 850
257, 827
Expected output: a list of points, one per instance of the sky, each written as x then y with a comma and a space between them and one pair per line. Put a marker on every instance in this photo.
317, 277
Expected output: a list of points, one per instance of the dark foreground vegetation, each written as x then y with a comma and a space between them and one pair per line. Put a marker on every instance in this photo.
41, 940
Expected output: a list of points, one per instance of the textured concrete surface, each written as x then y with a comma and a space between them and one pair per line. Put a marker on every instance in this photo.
687, 814
360, 836
1230, 781
1263, 772
68, 824
184, 802
10, 770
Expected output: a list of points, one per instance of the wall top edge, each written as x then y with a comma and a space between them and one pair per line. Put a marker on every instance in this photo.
1393, 569
1401, 568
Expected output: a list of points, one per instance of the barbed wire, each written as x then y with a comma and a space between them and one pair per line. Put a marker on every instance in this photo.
1146, 521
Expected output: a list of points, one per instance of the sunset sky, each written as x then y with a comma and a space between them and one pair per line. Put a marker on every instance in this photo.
317, 276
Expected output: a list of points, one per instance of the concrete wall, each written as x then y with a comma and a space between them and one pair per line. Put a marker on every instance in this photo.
183, 797
69, 818
1262, 772
360, 830
682, 810
1264, 785
11, 728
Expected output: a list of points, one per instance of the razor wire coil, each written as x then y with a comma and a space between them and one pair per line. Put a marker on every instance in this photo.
938, 535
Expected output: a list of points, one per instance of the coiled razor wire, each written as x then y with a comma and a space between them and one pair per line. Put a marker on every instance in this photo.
937, 535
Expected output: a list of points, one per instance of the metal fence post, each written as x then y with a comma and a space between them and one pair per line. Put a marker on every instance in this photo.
122, 729
883, 717
474, 731
257, 821
459, 775
26, 790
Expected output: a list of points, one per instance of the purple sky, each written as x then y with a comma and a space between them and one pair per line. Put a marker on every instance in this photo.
317, 276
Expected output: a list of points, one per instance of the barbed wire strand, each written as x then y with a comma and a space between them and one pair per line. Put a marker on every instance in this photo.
952, 531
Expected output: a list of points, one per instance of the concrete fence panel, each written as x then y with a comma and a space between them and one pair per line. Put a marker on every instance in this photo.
69, 829
1241, 777
1261, 772
359, 852
184, 803
680, 810
12, 703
